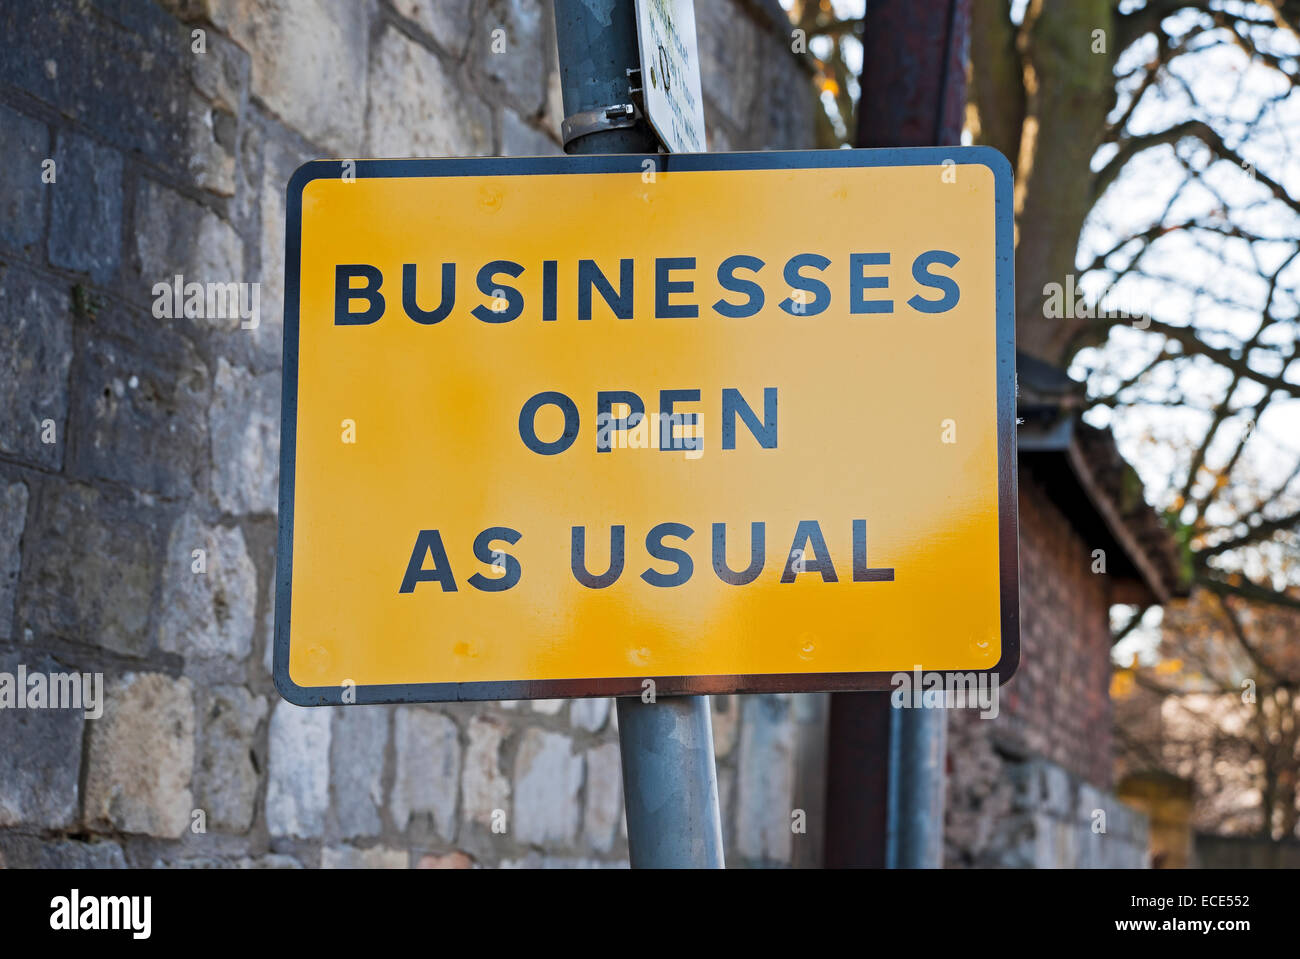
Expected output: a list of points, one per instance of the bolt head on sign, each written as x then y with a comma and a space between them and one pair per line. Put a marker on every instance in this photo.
552, 427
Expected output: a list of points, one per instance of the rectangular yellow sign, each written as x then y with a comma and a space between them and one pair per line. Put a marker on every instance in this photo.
730, 422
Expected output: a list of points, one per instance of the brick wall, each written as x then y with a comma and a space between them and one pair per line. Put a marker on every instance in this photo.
128, 442
1059, 703
1023, 787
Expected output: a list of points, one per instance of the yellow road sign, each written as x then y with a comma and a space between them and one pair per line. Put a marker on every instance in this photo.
729, 422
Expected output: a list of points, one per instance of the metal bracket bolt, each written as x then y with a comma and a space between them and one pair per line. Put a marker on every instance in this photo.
615, 117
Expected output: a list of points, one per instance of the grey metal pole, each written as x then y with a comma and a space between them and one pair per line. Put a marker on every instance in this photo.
670, 782
918, 750
595, 57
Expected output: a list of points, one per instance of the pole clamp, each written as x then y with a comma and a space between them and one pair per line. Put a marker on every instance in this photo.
615, 117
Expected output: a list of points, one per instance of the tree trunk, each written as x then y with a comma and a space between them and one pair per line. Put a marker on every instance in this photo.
1064, 92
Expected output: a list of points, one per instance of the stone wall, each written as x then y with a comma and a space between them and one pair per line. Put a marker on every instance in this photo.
1048, 818
128, 443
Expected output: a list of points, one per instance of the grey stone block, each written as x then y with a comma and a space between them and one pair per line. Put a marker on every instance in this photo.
208, 601
774, 125
358, 746
211, 133
26, 852
728, 45
1059, 790
225, 777
509, 48
91, 569
298, 784
86, 208
244, 422
604, 807
267, 341
428, 766
419, 107
35, 354
521, 139
725, 713
1089, 800
765, 783
308, 62
590, 714
176, 236
548, 779
268, 630
1043, 842
13, 519
40, 756
297, 791
25, 145
221, 72
139, 408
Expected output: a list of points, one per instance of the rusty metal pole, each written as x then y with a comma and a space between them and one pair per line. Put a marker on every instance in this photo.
913, 86
670, 782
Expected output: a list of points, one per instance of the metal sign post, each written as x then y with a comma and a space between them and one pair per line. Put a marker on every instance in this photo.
917, 48
918, 741
670, 782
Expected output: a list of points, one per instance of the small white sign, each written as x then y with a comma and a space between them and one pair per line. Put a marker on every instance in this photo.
670, 73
